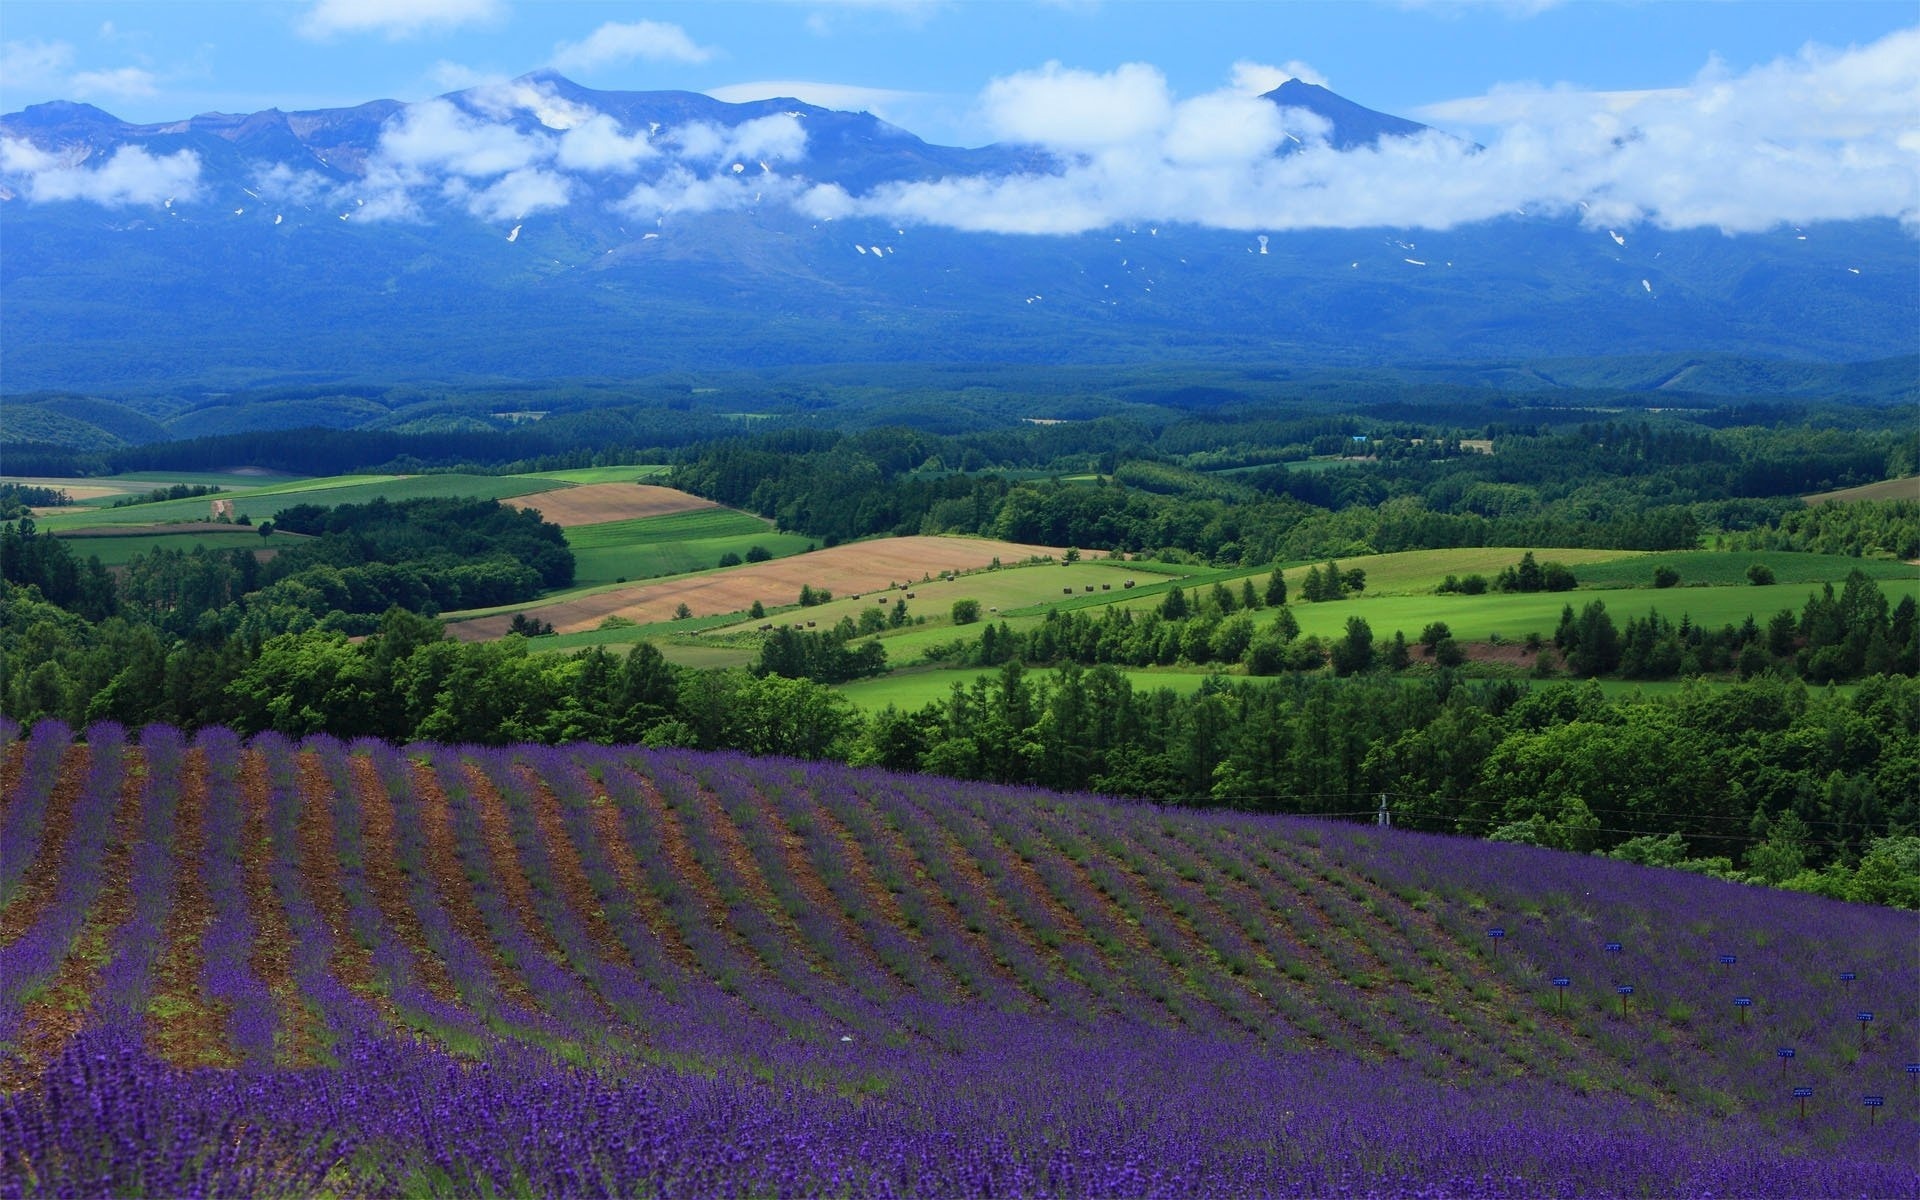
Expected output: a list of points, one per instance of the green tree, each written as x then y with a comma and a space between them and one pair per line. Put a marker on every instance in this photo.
1353, 653
966, 612
1276, 588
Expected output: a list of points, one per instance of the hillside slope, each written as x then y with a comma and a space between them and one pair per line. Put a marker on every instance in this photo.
607, 969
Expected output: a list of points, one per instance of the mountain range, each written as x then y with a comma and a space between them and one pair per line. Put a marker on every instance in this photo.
537, 229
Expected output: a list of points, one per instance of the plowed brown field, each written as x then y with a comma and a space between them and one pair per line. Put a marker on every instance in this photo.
861, 567
594, 503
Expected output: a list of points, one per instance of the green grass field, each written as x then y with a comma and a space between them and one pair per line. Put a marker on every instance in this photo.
1730, 567
584, 475
699, 524
1476, 618
259, 504
650, 560
1421, 571
119, 551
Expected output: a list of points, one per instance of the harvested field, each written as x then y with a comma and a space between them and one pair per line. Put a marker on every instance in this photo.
76, 488
596, 503
861, 567
1906, 488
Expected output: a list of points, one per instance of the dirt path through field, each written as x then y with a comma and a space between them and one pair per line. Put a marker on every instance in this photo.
36, 889
301, 1037
185, 1026
13, 771
449, 875
625, 864
51, 1019
385, 880
320, 869
843, 570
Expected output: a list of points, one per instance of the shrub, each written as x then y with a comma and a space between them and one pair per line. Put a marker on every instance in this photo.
758, 554
1759, 574
966, 612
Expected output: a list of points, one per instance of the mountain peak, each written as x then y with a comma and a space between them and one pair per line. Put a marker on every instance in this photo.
1352, 124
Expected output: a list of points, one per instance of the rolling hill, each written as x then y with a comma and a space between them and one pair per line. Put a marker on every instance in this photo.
288, 968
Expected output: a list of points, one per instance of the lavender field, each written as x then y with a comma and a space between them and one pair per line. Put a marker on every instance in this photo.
267, 967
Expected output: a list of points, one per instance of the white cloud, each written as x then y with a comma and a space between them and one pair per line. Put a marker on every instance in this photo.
1257, 79
1223, 127
1078, 110
614, 43
514, 195
435, 133
34, 65
130, 176
395, 18
283, 183
681, 191
500, 99
779, 137
454, 77
1824, 135
119, 83
597, 144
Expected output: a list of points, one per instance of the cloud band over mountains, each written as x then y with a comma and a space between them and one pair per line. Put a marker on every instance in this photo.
1824, 135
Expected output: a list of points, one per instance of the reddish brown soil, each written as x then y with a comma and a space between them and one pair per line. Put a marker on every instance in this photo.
185, 1026
300, 1039
972, 877
1196, 945
906, 860
388, 883
595, 503
36, 889
620, 855
13, 769
858, 567
686, 868
879, 900
456, 896
806, 879
503, 859
746, 868
320, 871
53, 1017
568, 874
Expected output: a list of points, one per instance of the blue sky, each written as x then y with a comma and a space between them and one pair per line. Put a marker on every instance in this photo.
925, 63
1739, 116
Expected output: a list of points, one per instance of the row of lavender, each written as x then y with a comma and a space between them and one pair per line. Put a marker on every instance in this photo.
674, 972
